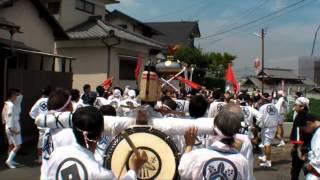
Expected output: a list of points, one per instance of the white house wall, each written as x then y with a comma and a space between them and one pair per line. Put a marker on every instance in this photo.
36, 31
70, 16
91, 61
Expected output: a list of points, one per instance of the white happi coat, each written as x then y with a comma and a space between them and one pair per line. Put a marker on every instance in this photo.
76, 162
314, 155
17, 108
7, 116
40, 107
249, 113
215, 108
212, 164
100, 101
52, 140
270, 116
247, 151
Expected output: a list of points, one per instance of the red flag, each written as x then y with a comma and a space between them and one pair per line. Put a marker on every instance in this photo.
193, 85
230, 77
107, 83
138, 66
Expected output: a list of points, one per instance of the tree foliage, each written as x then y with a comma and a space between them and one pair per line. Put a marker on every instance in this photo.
210, 65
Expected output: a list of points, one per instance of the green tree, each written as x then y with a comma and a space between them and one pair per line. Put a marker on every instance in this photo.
210, 67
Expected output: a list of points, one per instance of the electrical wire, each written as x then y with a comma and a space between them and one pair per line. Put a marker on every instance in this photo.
252, 21
267, 20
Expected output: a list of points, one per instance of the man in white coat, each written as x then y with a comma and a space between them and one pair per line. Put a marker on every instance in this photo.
311, 126
40, 107
269, 122
220, 160
12, 127
282, 107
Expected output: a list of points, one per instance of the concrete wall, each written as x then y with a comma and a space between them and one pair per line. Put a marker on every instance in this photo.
36, 32
70, 16
91, 60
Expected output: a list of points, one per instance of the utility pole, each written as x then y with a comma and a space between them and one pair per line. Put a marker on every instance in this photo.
314, 40
262, 59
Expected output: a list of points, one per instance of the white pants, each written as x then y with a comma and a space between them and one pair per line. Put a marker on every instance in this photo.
13, 138
310, 176
267, 135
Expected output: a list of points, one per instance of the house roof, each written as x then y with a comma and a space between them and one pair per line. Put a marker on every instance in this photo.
20, 47
255, 81
15, 44
9, 26
94, 28
57, 30
116, 13
176, 32
278, 73
6, 3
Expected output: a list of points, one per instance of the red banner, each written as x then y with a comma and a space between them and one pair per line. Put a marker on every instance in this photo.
230, 77
138, 66
193, 85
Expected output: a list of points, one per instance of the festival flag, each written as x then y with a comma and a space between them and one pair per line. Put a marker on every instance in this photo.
138, 66
230, 78
193, 85
107, 83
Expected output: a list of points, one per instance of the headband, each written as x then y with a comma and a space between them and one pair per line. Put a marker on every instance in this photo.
63, 107
219, 133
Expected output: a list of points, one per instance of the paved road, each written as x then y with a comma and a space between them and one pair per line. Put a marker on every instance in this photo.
30, 170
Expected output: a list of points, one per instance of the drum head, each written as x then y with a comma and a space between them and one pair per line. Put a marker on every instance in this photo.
163, 155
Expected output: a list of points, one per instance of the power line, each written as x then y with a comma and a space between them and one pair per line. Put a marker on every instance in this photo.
269, 20
248, 12
253, 21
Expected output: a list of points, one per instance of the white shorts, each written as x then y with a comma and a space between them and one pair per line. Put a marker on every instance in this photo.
267, 135
13, 138
40, 139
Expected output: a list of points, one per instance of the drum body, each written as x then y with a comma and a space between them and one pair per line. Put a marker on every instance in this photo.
163, 155
150, 88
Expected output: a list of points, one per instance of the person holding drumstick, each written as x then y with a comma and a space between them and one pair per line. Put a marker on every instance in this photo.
76, 161
220, 160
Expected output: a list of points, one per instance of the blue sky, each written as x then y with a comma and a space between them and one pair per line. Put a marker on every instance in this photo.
289, 34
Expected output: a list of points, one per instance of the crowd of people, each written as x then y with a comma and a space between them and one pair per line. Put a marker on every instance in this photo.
240, 123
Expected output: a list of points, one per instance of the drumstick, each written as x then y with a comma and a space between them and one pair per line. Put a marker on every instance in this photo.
125, 160
133, 147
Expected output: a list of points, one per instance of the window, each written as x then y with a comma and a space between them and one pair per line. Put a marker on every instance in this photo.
85, 6
127, 66
54, 7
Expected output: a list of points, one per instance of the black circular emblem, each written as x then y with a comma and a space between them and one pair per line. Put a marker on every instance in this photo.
220, 107
43, 106
220, 168
246, 112
98, 103
150, 169
271, 110
179, 107
70, 169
